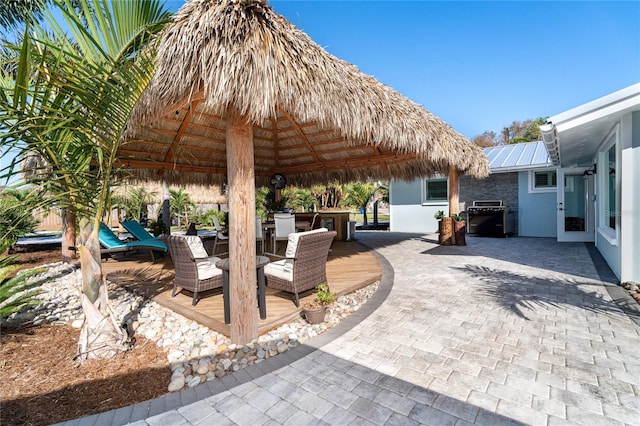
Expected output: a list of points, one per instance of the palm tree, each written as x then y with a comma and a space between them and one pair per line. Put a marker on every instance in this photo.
358, 195
180, 204
69, 100
135, 201
16, 12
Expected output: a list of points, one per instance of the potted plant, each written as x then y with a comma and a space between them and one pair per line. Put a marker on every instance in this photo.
315, 309
158, 227
445, 228
459, 229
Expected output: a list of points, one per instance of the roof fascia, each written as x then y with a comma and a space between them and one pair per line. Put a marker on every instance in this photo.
610, 104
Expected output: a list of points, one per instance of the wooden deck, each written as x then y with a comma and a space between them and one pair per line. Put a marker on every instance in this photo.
350, 266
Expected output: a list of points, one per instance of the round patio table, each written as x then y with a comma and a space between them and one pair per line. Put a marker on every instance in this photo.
262, 288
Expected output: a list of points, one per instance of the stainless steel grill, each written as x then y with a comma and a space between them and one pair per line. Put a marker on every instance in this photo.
491, 218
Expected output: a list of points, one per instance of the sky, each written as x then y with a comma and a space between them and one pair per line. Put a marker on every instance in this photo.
480, 65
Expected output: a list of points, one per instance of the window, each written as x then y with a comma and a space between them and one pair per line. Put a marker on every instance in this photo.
543, 181
608, 199
436, 190
610, 190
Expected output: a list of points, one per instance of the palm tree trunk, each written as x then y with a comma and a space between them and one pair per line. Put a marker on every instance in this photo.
100, 336
68, 235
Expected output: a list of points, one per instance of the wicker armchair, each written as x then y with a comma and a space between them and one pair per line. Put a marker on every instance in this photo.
195, 269
304, 265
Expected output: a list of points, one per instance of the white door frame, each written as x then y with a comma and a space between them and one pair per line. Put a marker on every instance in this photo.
588, 235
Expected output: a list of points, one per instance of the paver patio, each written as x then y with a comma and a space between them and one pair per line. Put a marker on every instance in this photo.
501, 331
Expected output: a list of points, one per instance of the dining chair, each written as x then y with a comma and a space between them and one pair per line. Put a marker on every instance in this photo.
220, 236
260, 233
285, 224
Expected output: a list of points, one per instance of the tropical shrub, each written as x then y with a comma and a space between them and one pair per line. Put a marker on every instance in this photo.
17, 291
208, 215
16, 219
158, 227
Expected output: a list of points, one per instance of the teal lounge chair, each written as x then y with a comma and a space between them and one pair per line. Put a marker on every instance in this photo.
113, 244
137, 230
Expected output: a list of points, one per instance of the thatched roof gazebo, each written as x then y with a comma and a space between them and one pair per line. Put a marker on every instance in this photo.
241, 94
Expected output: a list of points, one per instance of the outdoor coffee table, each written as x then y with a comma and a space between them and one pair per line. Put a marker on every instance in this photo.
262, 288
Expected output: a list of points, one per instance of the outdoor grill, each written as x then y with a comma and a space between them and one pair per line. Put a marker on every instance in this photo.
490, 218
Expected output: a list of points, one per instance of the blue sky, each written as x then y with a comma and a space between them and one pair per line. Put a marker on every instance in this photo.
481, 65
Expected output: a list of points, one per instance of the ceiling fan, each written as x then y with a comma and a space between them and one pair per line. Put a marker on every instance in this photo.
278, 181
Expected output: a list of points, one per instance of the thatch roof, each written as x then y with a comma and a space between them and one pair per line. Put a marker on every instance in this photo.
315, 117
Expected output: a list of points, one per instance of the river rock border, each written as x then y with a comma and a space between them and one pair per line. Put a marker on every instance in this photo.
196, 353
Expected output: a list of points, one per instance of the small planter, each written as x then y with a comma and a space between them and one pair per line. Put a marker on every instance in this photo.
315, 315
314, 311
459, 231
445, 235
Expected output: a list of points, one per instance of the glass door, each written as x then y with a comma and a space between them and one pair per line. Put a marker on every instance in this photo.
575, 205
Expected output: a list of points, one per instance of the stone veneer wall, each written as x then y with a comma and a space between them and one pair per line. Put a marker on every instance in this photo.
498, 186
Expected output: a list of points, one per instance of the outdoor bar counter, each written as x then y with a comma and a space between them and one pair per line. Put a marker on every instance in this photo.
332, 220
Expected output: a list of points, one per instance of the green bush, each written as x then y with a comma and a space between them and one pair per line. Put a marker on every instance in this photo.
158, 227
17, 292
16, 219
207, 217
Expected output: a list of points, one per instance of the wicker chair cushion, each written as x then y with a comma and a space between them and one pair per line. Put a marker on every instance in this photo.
207, 268
292, 246
205, 264
196, 247
277, 270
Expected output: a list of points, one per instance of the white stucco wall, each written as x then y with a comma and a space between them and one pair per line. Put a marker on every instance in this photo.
630, 198
407, 213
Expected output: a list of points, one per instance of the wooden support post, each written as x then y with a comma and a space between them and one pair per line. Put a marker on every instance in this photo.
242, 230
454, 203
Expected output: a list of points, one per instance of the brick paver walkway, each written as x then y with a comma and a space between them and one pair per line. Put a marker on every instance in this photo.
501, 331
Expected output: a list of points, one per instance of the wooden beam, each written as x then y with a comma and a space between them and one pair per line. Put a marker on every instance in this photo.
181, 130
300, 133
453, 191
333, 151
152, 165
242, 230
349, 163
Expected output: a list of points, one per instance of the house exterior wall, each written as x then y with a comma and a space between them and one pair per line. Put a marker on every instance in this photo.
537, 213
498, 186
623, 254
406, 210
629, 249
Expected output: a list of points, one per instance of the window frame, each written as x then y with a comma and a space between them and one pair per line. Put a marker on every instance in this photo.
532, 181
611, 235
426, 201
568, 184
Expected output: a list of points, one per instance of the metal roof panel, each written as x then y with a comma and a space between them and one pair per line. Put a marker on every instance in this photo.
527, 155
